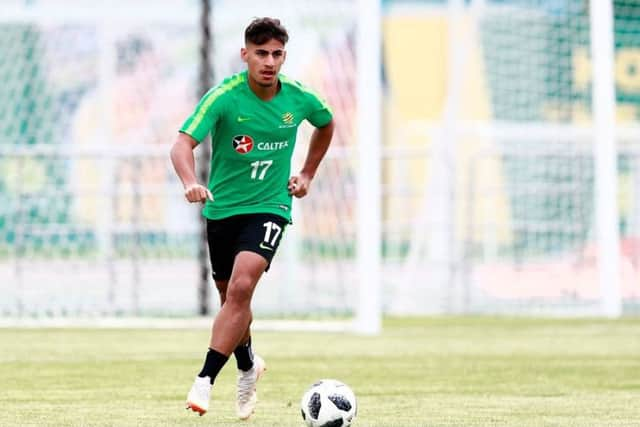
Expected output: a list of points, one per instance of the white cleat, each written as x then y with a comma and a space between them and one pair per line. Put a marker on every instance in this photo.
247, 395
199, 395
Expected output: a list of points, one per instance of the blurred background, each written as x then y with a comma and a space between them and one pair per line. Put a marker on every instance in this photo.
489, 158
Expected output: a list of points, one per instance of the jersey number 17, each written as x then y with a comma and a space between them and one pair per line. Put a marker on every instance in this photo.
259, 168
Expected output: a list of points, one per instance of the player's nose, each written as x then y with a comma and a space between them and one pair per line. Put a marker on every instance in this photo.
269, 60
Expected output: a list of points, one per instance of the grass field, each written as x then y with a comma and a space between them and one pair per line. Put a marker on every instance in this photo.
469, 371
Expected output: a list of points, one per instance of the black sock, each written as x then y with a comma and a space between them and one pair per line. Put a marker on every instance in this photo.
244, 356
213, 364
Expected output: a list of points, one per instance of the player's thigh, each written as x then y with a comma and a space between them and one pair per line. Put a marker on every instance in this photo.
262, 234
247, 270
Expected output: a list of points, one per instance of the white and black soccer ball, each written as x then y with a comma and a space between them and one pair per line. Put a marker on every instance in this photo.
328, 403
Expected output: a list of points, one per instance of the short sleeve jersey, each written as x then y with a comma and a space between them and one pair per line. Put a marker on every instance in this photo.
252, 143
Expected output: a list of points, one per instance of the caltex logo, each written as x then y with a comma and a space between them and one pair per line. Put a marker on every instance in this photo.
242, 143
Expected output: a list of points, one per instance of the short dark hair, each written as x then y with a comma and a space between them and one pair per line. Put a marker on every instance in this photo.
261, 30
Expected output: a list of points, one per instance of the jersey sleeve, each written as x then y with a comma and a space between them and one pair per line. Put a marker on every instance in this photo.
205, 116
320, 113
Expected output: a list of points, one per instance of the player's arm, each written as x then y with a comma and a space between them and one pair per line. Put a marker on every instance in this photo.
318, 146
185, 165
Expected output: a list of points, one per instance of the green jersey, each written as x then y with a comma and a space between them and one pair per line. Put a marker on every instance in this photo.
252, 143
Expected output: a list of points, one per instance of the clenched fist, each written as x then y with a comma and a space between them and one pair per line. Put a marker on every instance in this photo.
298, 185
197, 193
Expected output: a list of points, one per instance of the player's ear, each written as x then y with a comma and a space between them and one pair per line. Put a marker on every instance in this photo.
244, 53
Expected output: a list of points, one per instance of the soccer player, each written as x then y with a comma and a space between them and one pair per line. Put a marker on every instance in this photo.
253, 118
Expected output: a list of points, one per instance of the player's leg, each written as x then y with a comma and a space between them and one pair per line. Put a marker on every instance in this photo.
199, 396
262, 236
250, 369
229, 326
232, 322
220, 236
243, 352
259, 236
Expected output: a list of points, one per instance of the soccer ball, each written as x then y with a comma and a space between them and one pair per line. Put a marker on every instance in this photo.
328, 403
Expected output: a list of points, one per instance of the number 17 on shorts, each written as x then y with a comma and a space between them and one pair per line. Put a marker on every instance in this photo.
271, 235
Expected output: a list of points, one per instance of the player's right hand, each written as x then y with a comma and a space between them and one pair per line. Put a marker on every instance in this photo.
195, 193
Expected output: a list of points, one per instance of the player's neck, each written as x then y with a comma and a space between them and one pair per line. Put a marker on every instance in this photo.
265, 93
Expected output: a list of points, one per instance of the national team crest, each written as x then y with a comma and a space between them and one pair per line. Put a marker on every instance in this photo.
287, 118
242, 143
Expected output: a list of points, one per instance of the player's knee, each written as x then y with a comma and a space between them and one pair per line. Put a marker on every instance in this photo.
240, 291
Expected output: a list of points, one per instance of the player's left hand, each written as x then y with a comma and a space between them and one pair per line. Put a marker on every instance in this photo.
299, 185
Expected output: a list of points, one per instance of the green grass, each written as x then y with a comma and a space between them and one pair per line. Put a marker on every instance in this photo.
470, 371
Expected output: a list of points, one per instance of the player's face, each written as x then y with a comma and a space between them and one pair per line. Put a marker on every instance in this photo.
264, 61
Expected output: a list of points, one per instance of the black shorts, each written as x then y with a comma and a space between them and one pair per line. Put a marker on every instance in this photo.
260, 233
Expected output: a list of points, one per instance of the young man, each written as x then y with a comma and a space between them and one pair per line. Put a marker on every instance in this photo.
253, 118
